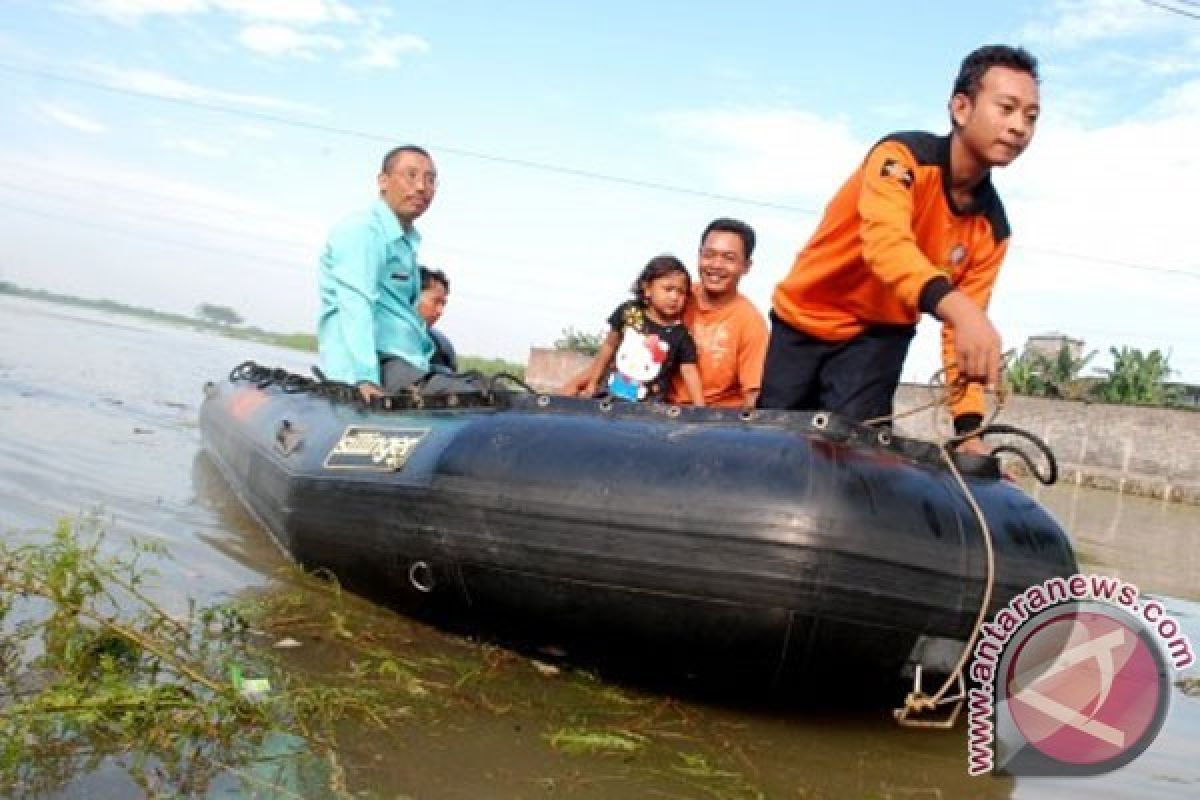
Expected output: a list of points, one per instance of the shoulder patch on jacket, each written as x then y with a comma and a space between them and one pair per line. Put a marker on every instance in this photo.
928, 149
894, 169
931, 150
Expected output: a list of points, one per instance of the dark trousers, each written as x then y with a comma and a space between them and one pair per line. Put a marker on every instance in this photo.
399, 376
856, 378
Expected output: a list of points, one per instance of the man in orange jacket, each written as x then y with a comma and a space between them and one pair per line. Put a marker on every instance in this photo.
917, 228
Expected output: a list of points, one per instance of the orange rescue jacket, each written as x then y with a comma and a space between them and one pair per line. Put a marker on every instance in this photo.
891, 245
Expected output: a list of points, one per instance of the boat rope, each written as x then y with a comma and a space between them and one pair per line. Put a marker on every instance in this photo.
291, 383
943, 394
917, 701
508, 377
414, 397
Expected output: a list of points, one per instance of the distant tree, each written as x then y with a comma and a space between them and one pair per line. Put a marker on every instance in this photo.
1026, 375
1137, 378
221, 315
580, 342
1039, 375
1062, 374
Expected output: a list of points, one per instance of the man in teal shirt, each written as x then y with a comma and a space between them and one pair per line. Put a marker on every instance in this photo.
369, 333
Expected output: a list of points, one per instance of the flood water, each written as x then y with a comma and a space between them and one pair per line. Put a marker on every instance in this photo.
98, 415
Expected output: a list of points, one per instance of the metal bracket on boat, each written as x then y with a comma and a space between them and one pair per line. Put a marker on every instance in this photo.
831, 428
288, 437
420, 575
917, 702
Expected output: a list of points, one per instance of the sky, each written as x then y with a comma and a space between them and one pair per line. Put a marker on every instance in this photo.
168, 153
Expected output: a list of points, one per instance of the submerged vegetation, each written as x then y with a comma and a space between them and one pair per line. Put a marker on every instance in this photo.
293, 691
98, 677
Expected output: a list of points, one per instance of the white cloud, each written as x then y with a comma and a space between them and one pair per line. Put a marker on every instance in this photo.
127, 12
196, 147
1160, 64
295, 28
155, 191
1180, 100
1072, 23
280, 40
71, 119
156, 83
385, 51
780, 153
255, 132
1065, 190
293, 12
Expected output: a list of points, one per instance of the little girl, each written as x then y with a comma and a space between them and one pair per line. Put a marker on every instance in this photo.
648, 340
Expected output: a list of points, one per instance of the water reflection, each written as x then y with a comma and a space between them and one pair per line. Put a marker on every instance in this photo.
239, 536
1150, 543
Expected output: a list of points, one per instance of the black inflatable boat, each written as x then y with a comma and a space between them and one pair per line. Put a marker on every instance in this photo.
779, 547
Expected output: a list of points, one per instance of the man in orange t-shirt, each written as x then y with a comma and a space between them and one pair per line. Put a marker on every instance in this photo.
917, 228
730, 333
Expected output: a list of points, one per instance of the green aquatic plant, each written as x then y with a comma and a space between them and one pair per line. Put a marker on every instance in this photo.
97, 675
582, 740
270, 695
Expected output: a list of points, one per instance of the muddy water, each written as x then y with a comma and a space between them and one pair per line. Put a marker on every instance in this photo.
98, 416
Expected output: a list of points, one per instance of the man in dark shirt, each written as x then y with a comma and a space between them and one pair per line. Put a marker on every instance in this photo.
435, 291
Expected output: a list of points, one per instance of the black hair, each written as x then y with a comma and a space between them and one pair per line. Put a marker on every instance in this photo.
404, 148
736, 226
659, 267
430, 276
980, 60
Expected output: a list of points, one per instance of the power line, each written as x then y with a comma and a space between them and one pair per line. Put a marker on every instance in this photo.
559, 169
1174, 10
170, 220
277, 243
175, 199
141, 237
526, 163
559, 310
298, 267
1114, 262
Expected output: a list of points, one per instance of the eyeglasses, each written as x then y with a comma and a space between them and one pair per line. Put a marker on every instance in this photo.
728, 256
413, 175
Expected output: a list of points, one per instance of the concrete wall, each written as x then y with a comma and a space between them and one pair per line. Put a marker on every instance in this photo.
549, 368
1147, 451
1153, 452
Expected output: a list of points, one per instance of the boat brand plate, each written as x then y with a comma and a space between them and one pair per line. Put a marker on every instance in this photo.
374, 449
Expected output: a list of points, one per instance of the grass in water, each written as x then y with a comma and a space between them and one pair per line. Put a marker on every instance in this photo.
95, 675
291, 691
